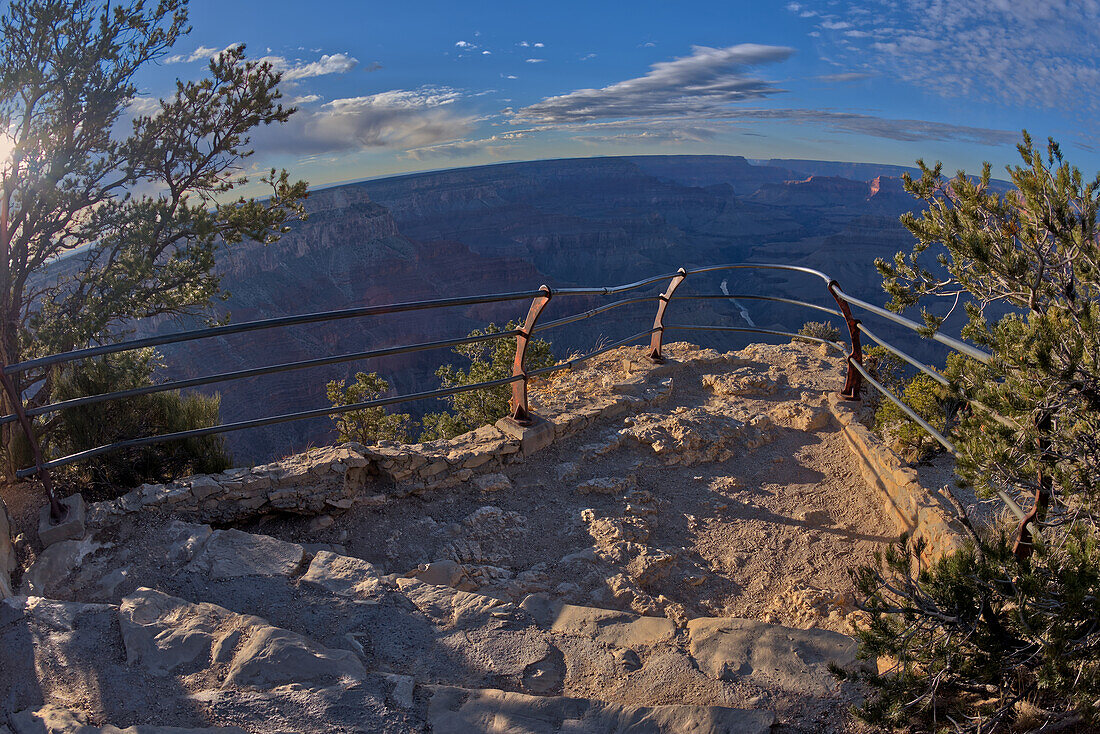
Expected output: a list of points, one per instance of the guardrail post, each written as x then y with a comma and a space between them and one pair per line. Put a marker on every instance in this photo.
854, 380
520, 412
659, 321
57, 512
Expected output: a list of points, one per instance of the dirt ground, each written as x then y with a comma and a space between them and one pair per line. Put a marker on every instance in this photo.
761, 524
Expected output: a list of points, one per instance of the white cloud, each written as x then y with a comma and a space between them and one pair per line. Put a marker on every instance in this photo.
538, 45
1039, 54
201, 53
328, 64
534, 61
464, 44
708, 79
397, 119
307, 99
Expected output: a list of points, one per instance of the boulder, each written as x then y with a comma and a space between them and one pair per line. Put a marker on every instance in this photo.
233, 553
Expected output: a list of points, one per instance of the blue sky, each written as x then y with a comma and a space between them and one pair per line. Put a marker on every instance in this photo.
385, 88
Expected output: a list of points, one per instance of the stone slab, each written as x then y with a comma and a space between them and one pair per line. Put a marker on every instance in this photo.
614, 628
460, 711
70, 528
532, 438
727, 648
232, 553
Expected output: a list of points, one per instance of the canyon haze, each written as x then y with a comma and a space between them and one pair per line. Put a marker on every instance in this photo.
516, 226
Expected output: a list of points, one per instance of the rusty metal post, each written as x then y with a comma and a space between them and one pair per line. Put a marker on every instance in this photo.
520, 412
57, 512
659, 321
854, 380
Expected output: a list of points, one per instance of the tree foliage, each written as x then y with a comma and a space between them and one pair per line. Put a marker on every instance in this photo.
88, 426
368, 425
992, 639
114, 206
491, 360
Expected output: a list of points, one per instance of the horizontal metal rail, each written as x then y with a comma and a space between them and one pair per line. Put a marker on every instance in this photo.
958, 346
256, 372
541, 297
750, 330
752, 297
246, 326
1001, 494
589, 314
911, 360
258, 422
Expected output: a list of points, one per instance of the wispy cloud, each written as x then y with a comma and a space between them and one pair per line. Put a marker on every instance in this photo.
202, 53
398, 120
1033, 54
495, 145
709, 79
295, 70
848, 76
534, 61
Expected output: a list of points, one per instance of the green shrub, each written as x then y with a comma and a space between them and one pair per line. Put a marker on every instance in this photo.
488, 361
88, 426
819, 330
368, 425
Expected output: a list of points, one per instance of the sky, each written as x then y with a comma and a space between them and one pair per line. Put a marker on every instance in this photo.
389, 88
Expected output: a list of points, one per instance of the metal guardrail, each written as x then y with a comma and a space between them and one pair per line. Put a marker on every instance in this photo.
521, 376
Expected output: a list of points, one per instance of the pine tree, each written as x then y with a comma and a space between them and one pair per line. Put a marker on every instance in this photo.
139, 207
1004, 636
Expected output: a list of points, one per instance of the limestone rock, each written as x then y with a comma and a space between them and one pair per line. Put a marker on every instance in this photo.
452, 608
233, 553
344, 576
493, 483
56, 720
441, 573
617, 629
55, 563
607, 485
71, 526
271, 657
165, 634
459, 711
770, 655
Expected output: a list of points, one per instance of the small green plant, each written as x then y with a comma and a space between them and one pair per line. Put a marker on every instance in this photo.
488, 361
819, 330
368, 425
85, 427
